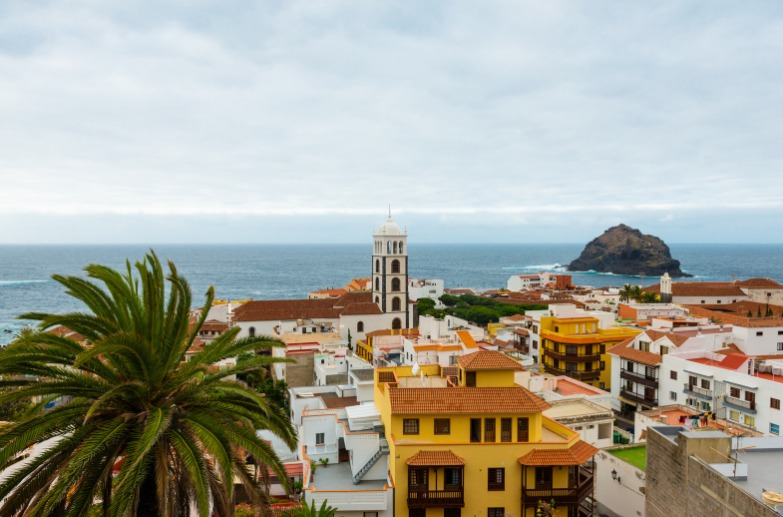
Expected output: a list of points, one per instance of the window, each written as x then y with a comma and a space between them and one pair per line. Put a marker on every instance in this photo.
496, 479
780, 347
571, 350
759, 332
734, 415
750, 421
734, 392
774, 429
470, 379
251, 331
417, 478
522, 429
395, 284
496, 512
320, 438
780, 332
705, 384
360, 326
489, 429
543, 477
535, 345
673, 395
692, 381
377, 285
505, 429
395, 303
417, 512
475, 430
410, 426
396, 324
774, 403
452, 478
442, 426
377, 266
395, 266
673, 375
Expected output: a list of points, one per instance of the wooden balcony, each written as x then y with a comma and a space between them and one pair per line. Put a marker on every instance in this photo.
436, 498
638, 398
641, 378
580, 375
576, 358
571, 497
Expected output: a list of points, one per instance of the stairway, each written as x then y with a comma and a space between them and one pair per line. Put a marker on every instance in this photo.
382, 451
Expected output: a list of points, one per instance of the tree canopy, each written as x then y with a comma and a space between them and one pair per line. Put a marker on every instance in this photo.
135, 416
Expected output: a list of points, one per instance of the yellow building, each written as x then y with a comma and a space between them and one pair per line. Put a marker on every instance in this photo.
466, 440
576, 346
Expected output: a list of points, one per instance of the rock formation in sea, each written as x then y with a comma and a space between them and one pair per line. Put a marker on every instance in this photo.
623, 250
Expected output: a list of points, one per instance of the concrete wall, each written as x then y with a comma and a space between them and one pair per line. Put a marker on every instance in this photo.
623, 496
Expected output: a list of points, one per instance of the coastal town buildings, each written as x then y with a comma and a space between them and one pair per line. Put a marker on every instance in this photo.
575, 343
468, 440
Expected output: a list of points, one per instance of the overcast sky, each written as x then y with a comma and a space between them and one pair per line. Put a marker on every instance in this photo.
302, 121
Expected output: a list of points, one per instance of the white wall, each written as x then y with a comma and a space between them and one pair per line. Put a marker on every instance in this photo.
621, 496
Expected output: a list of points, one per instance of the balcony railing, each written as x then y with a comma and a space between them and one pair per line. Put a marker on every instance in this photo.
580, 375
579, 358
436, 498
744, 405
699, 392
647, 380
563, 496
639, 398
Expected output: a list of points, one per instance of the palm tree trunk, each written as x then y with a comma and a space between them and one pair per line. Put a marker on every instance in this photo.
148, 496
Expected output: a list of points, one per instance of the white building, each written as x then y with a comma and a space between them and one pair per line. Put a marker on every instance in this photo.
345, 452
431, 288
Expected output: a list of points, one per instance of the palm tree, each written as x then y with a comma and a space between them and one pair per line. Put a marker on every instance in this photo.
176, 432
311, 511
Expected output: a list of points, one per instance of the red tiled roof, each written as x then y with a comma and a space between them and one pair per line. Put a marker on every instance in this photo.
729, 361
361, 308
488, 360
522, 332
759, 282
215, 325
700, 289
435, 459
623, 349
575, 455
423, 401
273, 310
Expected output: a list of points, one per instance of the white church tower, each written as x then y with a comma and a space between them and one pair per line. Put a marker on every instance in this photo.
390, 273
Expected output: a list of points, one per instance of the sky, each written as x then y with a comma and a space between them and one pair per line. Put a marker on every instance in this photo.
303, 121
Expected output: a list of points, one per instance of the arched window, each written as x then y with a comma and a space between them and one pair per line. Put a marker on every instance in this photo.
251, 331
377, 266
395, 284
395, 303
400, 247
377, 300
395, 266
388, 247
360, 326
395, 247
377, 284
396, 324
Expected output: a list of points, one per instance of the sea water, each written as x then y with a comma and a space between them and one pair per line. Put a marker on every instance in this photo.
291, 271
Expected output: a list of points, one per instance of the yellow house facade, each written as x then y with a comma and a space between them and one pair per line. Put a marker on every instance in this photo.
577, 347
466, 440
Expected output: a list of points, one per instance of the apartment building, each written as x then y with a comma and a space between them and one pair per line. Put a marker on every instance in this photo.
468, 440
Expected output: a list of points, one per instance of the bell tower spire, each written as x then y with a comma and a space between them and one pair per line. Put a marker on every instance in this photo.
390, 273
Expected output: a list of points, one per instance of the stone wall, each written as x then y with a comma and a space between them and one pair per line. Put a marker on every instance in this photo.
681, 483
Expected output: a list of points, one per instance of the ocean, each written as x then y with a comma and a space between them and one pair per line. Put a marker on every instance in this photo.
291, 271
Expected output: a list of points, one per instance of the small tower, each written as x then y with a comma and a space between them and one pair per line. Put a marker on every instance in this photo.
390, 272
666, 288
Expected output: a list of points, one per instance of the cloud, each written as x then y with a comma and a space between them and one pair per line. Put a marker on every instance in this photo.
525, 112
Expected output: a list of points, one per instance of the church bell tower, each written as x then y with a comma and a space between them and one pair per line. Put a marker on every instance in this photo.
390, 273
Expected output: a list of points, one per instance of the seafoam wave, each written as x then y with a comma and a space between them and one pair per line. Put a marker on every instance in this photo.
21, 282
537, 267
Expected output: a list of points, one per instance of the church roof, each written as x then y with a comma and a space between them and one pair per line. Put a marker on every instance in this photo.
349, 304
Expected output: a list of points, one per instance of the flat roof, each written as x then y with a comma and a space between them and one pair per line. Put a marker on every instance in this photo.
569, 387
338, 476
574, 408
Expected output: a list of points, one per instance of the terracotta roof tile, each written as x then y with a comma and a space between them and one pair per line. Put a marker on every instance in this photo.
435, 459
759, 282
700, 289
575, 455
274, 310
623, 349
356, 309
423, 401
488, 360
